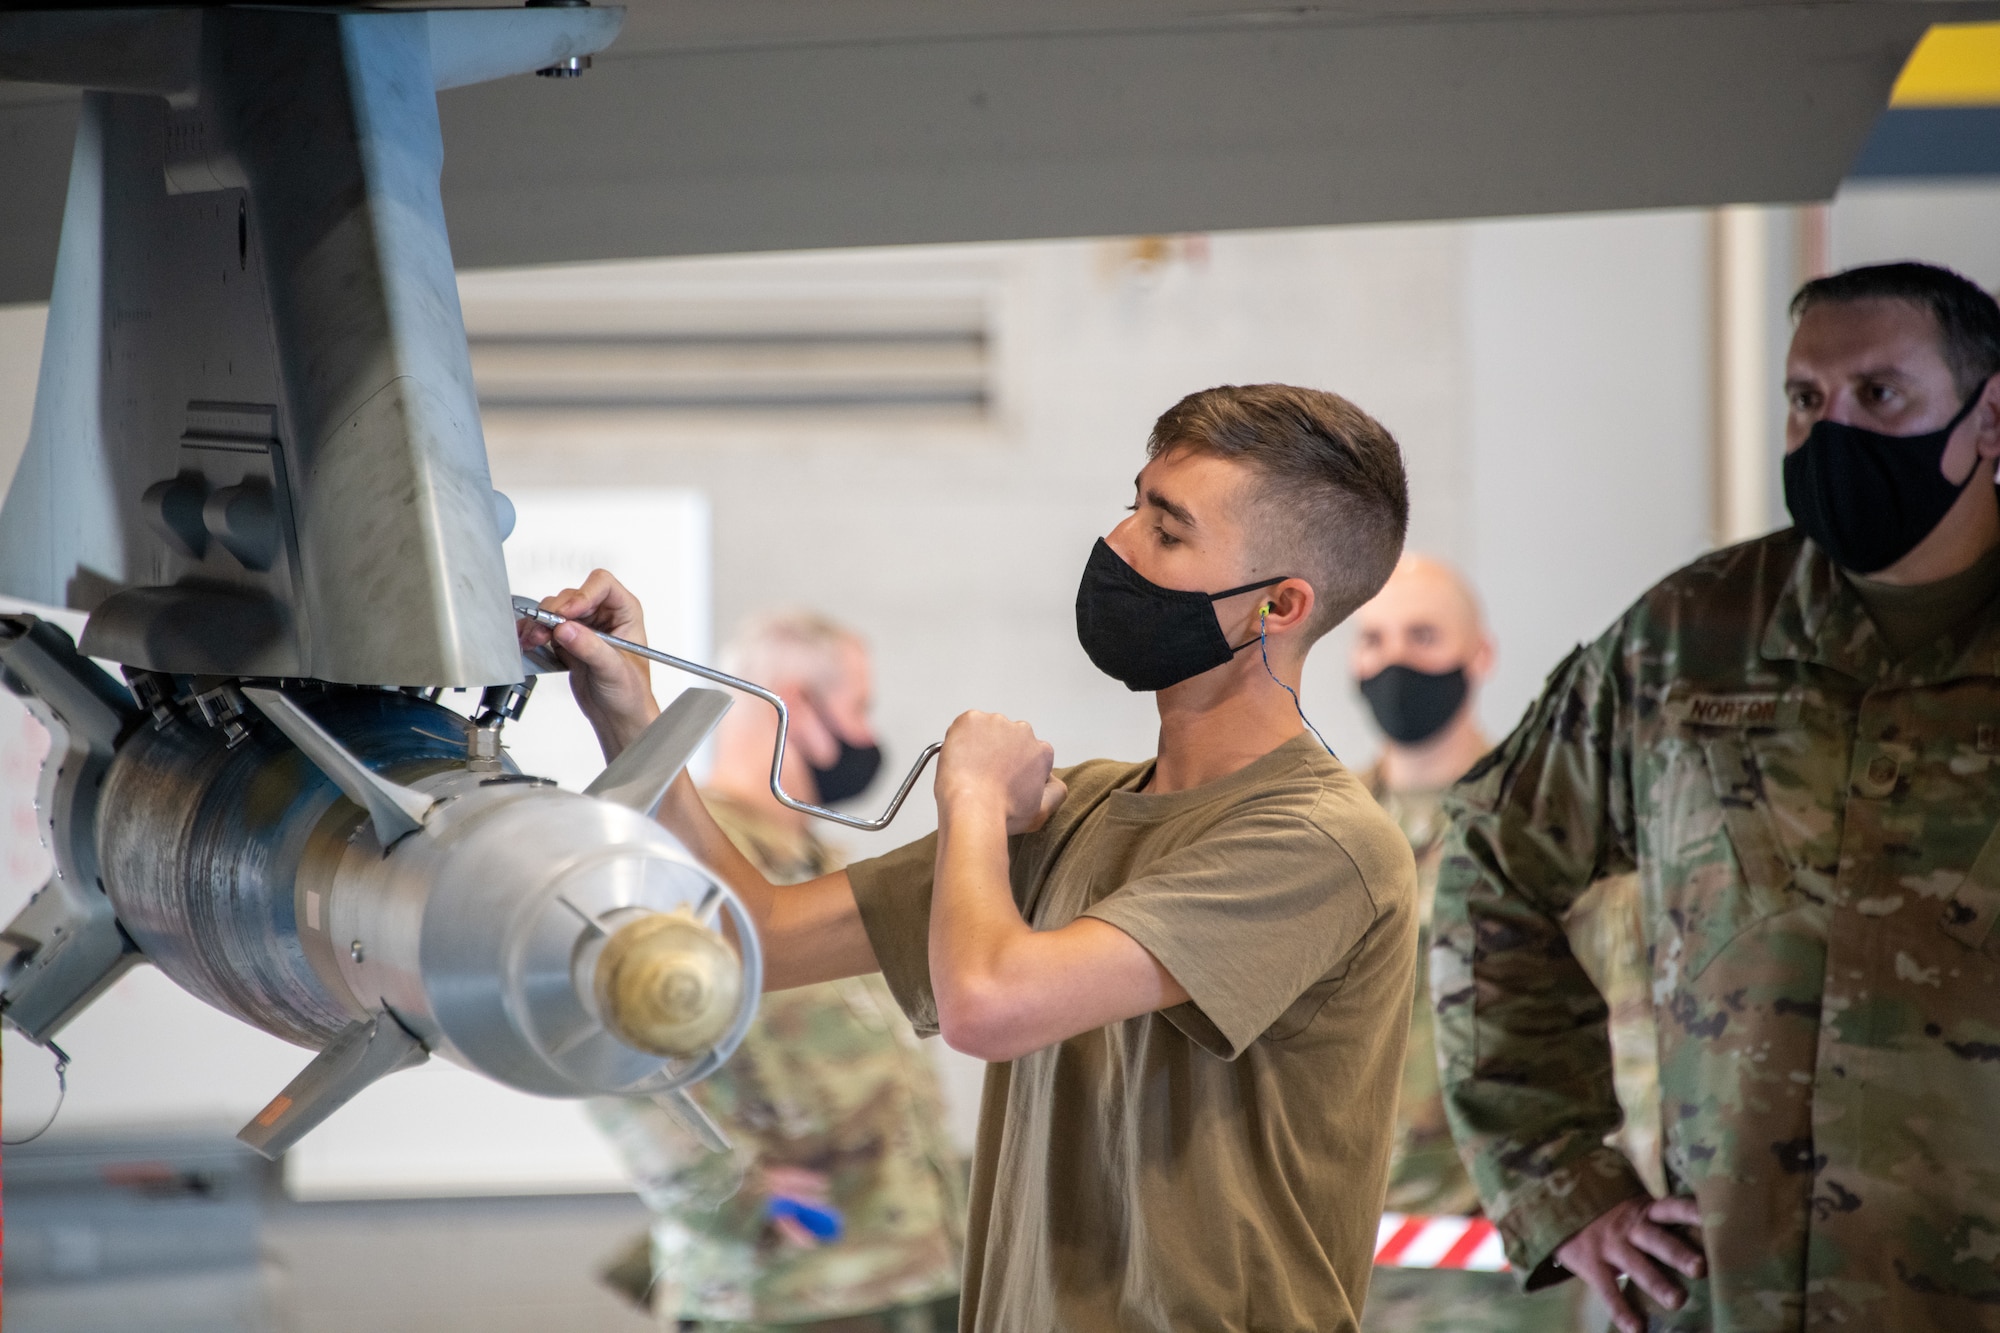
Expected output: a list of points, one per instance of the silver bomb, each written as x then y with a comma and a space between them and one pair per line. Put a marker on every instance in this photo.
361, 872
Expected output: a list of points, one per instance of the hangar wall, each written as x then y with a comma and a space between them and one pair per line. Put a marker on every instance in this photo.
1505, 356
1551, 381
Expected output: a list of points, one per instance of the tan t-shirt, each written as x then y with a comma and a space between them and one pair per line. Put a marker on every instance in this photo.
1218, 1165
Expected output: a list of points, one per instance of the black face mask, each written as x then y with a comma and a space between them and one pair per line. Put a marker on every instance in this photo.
1411, 706
1144, 635
1866, 498
851, 772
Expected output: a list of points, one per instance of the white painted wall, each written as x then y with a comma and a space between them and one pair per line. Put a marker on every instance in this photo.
657, 538
957, 552
1538, 374
1549, 381
1955, 223
1591, 414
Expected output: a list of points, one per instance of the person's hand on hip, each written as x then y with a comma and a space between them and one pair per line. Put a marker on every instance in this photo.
1632, 1239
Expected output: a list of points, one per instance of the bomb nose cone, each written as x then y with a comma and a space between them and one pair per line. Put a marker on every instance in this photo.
668, 985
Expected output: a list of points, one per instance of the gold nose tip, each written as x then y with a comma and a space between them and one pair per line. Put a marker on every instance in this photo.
668, 985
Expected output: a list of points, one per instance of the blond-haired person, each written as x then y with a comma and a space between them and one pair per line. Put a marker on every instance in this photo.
831, 1102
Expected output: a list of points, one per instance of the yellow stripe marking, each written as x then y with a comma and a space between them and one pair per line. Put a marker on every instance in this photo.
1956, 64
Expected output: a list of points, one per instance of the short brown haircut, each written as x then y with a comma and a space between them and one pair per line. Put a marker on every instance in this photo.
1334, 500
1968, 319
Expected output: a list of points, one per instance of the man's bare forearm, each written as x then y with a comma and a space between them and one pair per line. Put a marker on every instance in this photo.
687, 818
974, 924
1004, 988
810, 932
616, 733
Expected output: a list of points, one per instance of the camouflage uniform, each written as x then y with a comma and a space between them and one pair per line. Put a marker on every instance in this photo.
831, 1078
1816, 830
1426, 1176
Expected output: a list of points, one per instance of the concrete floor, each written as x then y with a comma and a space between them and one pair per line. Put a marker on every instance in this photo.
509, 1265
519, 1265
190, 1233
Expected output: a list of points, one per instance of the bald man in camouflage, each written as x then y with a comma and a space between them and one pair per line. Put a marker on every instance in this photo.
1421, 651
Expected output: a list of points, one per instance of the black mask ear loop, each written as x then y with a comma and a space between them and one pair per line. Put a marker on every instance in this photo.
1264, 652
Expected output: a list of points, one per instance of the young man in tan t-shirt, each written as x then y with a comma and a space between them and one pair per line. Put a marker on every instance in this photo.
1192, 974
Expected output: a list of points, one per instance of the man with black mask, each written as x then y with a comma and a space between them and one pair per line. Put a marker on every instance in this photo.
1191, 974
1796, 743
1421, 651
831, 1108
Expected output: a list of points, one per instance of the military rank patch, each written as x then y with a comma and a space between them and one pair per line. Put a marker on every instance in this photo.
1764, 709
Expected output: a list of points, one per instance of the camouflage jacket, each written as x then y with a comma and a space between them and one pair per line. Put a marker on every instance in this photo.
833, 1079
1425, 1175
1816, 831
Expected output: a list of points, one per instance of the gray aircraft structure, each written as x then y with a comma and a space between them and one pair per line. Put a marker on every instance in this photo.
256, 457
256, 462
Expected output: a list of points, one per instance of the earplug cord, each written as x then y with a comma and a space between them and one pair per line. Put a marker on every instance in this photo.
1263, 652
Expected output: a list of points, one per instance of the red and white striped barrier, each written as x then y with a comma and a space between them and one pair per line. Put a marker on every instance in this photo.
1406, 1241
